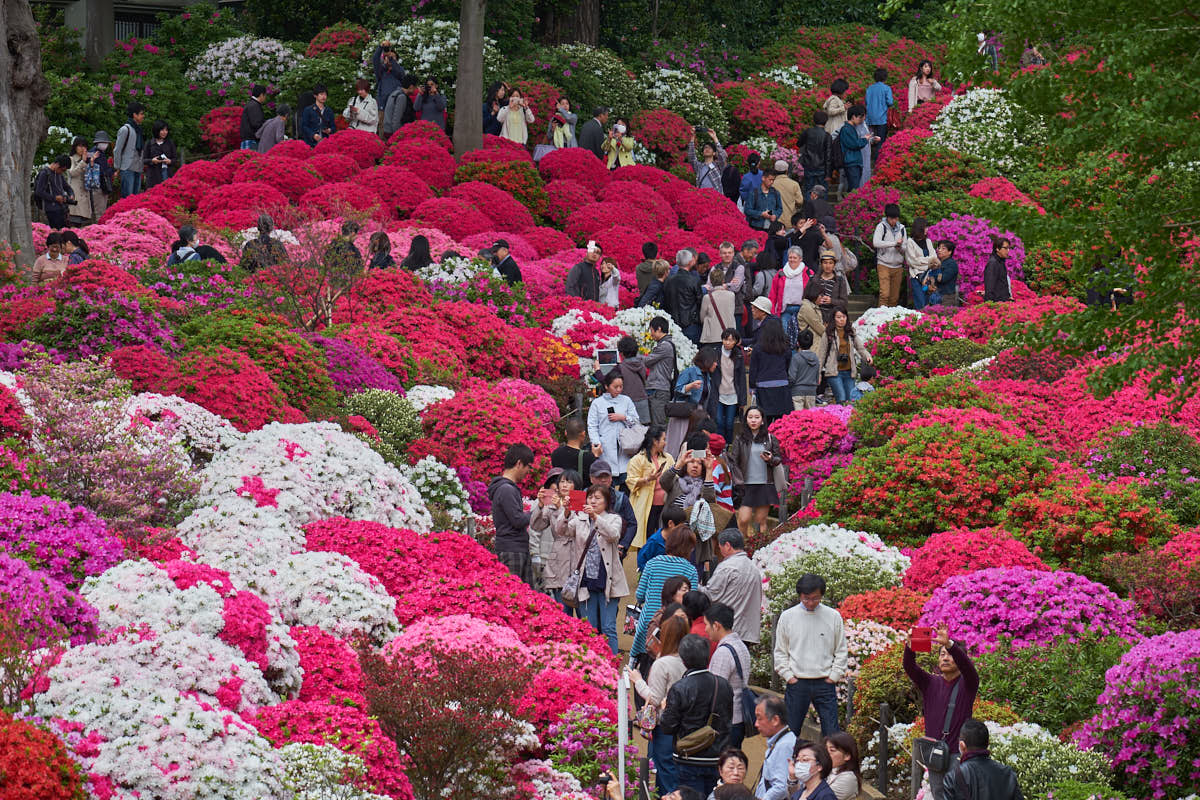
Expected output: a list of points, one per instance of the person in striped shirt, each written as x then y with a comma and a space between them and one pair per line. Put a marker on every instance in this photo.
680, 543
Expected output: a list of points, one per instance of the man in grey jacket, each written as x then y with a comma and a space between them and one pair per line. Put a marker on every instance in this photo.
509, 514
127, 154
660, 362
396, 107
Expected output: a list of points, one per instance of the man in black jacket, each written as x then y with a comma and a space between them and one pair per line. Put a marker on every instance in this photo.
682, 294
591, 133
253, 117
977, 776
584, 278
696, 698
816, 153
52, 191
503, 262
509, 514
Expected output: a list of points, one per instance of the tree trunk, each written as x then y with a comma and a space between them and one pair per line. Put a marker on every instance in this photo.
23, 95
468, 92
580, 25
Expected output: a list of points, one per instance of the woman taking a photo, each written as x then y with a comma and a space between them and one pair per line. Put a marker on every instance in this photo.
646, 494
842, 356
596, 534
553, 552
752, 460
609, 414
665, 671
769, 371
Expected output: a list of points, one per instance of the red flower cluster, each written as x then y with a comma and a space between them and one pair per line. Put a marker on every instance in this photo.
576, 164
961, 550
364, 147
585, 222
291, 176
344, 199
518, 178
34, 764
344, 39
664, 132
231, 385
897, 607
429, 160
502, 208
220, 129
456, 217
399, 189
564, 197
421, 132
333, 166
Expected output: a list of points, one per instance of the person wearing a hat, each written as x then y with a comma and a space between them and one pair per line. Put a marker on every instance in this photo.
752, 180
760, 312
790, 193
551, 555
602, 475
827, 289
503, 262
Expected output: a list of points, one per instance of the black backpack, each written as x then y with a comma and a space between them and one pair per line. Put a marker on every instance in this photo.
836, 155
731, 182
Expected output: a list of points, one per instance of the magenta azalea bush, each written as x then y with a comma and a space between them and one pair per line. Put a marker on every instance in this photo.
973, 244
811, 434
1149, 713
1031, 607
67, 542
352, 370
43, 608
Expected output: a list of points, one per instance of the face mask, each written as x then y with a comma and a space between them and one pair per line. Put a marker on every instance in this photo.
620, 128
803, 769
102, 146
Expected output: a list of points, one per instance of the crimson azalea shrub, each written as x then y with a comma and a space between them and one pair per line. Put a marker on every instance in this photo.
762, 116
664, 132
331, 670
94, 274
502, 208
362, 146
564, 196
1148, 714
13, 422
296, 366
379, 345
1165, 583
897, 607
333, 166
930, 479
695, 204
915, 165
35, 764
399, 189
547, 241
961, 550
456, 217
879, 414
291, 176
252, 197
231, 385
343, 39
517, 178
984, 321
210, 172
1028, 607
290, 148
476, 426
859, 212
238, 157
574, 163
639, 194
586, 221
430, 161
220, 129
144, 367
344, 199
422, 132
1073, 521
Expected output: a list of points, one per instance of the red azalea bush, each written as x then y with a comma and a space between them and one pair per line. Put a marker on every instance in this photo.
344, 199
333, 166
564, 197
221, 129
13, 422
35, 764
810, 434
762, 116
553, 692
896, 607
668, 185
958, 418
421, 132
344, 39
496, 156
146, 368
210, 172
664, 132
1002, 190
331, 670
289, 175
655, 206
399, 189
476, 426
860, 211
961, 550
431, 162
625, 245
547, 241
717, 228
380, 291
697, 204
230, 385
290, 148
586, 221
348, 729
980, 323
93, 274
574, 163
253, 197
456, 217
1075, 522
502, 207
362, 146
238, 157
912, 165
517, 178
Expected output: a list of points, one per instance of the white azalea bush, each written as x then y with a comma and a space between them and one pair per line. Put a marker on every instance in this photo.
423, 395
686, 95
762, 145
1041, 759
988, 124
440, 488
428, 48
865, 638
789, 76
200, 433
243, 60
636, 323
282, 236
867, 326
452, 271
323, 772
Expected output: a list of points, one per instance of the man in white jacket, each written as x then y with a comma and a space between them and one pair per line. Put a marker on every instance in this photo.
362, 112
810, 656
888, 242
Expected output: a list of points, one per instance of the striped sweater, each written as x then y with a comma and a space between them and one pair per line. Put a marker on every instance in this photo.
649, 592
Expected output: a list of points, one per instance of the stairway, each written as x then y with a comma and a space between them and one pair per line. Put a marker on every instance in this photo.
858, 304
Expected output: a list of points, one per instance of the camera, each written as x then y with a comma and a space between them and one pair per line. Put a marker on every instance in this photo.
604, 779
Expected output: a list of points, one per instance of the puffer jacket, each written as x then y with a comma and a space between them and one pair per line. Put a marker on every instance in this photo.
689, 703
978, 777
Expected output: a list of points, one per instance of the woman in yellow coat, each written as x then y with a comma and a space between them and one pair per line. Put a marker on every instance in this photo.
619, 146
645, 492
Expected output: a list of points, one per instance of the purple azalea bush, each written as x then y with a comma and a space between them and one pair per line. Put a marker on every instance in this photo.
98, 321
15, 356
66, 542
1149, 713
973, 245
41, 608
1031, 607
353, 370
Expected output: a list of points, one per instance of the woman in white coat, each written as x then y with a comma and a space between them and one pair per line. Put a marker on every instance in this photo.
609, 414
515, 118
920, 256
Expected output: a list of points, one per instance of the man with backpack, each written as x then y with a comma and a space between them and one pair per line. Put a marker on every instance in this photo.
127, 154
888, 241
52, 191
398, 108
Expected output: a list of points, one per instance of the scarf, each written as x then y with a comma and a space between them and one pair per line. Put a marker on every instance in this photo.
560, 136
592, 561
788, 272
140, 138
689, 490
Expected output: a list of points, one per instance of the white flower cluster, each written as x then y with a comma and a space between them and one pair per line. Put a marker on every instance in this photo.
867, 326
429, 47
987, 124
897, 778
200, 433
440, 486
834, 539
686, 95
562, 324
323, 772
789, 76
453, 271
423, 395
763, 145
286, 237
57, 143
865, 638
244, 59
636, 323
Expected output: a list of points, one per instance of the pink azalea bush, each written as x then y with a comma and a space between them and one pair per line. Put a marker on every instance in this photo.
1030, 607
960, 551
811, 434
973, 245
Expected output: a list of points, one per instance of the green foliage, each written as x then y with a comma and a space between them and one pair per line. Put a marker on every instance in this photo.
844, 577
1054, 685
1078, 790
80, 104
1042, 761
141, 72
301, 19
185, 35
61, 52
1163, 461
428, 48
955, 353
394, 418
878, 414
337, 73
590, 76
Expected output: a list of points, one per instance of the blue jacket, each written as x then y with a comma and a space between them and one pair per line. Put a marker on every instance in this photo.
389, 76
879, 100
852, 145
313, 121
946, 277
759, 202
653, 294
690, 374
751, 181
654, 546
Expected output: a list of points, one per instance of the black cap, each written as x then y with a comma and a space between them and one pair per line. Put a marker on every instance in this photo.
500, 243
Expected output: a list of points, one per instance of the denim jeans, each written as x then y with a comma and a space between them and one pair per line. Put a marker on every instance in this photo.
249, 144
602, 614
818, 693
662, 753
812, 180
787, 318
853, 176
726, 416
917, 289
131, 183
842, 385
737, 735
692, 332
702, 779
570, 611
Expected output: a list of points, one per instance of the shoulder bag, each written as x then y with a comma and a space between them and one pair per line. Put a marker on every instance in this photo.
703, 738
936, 753
631, 438
574, 593
749, 697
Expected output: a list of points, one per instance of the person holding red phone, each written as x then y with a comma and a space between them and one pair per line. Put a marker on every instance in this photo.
954, 669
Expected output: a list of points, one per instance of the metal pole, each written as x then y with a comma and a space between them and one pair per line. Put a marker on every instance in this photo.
643, 779
579, 405
806, 493
881, 753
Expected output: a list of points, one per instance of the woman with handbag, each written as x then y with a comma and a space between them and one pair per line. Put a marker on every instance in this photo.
645, 493
666, 670
598, 576
689, 483
675, 562
553, 553
609, 414
695, 393
752, 459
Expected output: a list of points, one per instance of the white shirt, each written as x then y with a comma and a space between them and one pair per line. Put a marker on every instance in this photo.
810, 644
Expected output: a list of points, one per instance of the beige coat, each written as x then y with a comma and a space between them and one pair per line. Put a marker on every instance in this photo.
790, 195
554, 550
91, 203
719, 299
835, 107
918, 263
578, 528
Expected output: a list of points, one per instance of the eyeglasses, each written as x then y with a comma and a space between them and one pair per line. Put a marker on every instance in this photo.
804, 760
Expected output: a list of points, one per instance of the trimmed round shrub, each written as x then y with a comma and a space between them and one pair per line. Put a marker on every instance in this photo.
879, 414
66, 542
393, 417
895, 606
35, 764
962, 550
